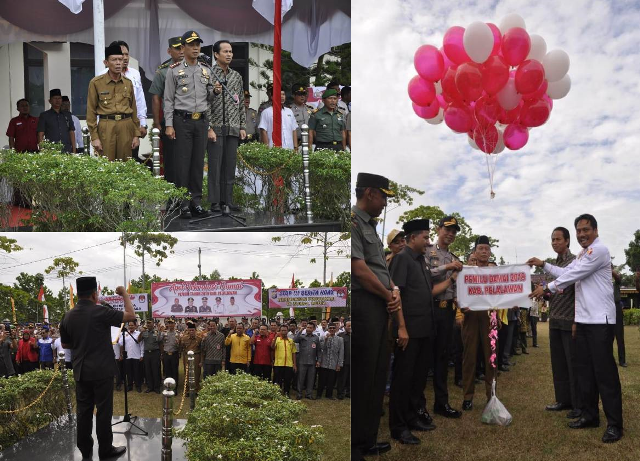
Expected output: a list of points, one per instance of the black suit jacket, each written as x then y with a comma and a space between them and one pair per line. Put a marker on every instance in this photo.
87, 329
409, 272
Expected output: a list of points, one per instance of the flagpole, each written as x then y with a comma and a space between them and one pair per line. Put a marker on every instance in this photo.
98, 36
277, 78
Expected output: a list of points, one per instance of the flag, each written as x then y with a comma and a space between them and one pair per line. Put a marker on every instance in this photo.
99, 289
45, 311
13, 309
293, 285
331, 281
129, 287
71, 303
75, 6
267, 8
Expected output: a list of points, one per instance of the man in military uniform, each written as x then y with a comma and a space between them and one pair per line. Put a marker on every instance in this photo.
442, 264
190, 341
327, 126
301, 110
251, 117
205, 306
373, 299
169, 345
111, 96
187, 88
157, 90
151, 359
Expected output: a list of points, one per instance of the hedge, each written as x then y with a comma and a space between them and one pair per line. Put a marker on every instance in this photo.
242, 418
631, 316
19, 391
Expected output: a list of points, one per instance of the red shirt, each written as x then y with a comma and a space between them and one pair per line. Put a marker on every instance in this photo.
25, 132
25, 352
263, 350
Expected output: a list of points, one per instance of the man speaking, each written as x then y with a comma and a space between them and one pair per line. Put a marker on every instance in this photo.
86, 330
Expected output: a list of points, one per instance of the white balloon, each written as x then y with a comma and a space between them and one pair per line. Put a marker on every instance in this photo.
509, 21
508, 97
472, 142
559, 89
556, 65
538, 48
478, 41
437, 119
438, 86
500, 145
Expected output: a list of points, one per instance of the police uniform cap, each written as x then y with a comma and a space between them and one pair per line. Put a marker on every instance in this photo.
247, 94
175, 42
191, 325
449, 221
299, 89
395, 233
416, 225
114, 50
169, 321
374, 180
204, 298
330, 92
218, 298
84, 284
55, 92
482, 240
190, 37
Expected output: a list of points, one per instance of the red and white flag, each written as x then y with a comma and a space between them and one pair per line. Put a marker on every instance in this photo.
45, 310
267, 8
75, 6
293, 285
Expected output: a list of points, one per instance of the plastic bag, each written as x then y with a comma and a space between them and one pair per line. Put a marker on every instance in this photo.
495, 412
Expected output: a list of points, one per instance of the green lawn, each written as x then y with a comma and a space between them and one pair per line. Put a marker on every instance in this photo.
534, 434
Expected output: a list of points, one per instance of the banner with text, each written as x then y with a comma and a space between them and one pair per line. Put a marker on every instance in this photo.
284, 298
139, 301
497, 287
208, 298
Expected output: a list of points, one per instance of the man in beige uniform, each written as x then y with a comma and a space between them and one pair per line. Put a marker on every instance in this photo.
301, 110
111, 96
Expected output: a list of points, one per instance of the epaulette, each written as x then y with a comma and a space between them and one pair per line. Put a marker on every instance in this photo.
174, 65
316, 110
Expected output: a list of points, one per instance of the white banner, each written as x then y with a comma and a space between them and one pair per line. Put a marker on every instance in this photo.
139, 301
494, 287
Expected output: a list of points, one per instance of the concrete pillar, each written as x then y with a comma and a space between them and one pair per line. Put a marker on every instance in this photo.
57, 68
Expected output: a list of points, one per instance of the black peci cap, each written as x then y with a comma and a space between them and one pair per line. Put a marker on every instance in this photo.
55, 92
114, 50
483, 240
416, 225
84, 284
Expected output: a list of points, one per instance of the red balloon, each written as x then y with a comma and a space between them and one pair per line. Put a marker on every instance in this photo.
449, 89
515, 136
486, 138
509, 116
421, 91
516, 45
429, 111
497, 39
534, 113
529, 76
453, 45
548, 99
469, 81
495, 74
538, 93
487, 110
429, 63
458, 117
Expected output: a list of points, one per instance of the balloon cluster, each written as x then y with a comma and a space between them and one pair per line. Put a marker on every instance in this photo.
493, 83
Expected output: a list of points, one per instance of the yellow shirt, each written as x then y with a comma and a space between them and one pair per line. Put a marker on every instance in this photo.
240, 348
284, 352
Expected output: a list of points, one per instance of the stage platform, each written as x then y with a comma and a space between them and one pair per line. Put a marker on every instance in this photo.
57, 442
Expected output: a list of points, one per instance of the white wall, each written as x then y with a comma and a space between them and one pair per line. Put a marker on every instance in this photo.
57, 68
258, 55
11, 85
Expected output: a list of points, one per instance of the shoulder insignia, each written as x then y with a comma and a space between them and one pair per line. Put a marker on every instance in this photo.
316, 110
174, 65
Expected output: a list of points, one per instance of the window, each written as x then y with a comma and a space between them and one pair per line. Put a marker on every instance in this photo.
34, 78
240, 61
82, 71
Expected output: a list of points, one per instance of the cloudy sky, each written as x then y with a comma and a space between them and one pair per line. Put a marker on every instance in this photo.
101, 255
583, 160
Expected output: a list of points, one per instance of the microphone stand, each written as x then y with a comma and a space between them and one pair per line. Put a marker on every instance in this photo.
226, 212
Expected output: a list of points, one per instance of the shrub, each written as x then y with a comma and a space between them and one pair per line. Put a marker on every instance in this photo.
240, 417
19, 391
83, 194
631, 316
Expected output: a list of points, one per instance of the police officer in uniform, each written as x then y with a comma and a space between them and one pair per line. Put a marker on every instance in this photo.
373, 299
191, 341
301, 110
327, 126
169, 345
187, 88
251, 117
442, 263
190, 308
157, 90
111, 96
205, 308
151, 358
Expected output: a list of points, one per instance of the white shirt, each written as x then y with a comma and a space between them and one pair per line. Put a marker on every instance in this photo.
591, 272
116, 351
134, 351
57, 346
78, 131
141, 103
289, 126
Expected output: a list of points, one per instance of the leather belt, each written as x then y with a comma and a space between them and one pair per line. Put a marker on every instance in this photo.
333, 143
191, 115
444, 303
116, 117
169, 353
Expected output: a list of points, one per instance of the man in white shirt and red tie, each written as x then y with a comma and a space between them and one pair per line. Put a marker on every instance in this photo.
595, 321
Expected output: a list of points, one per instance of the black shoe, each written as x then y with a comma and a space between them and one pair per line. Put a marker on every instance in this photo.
311, 397
407, 438
480, 377
623, 364
525, 352
114, 452
215, 208
612, 434
298, 397
198, 212
157, 391
377, 449
503, 368
148, 391
185, 213
583, 422
422, 427
516, 353
467, 405
557, 407
447, 411
535, 345
459, 383
424, 416
574, 414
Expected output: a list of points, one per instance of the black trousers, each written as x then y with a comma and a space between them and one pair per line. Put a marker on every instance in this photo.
98, 394
509, 340
262, 371
408, 383
444, 320
326, 380
620, 333
168, 156
563, 358
458, 349
502, 341
151, 362
133, 372
222, 168
344, 381
282, 377
232, 367
119, 372
170, 365
370, 354
597, 372
209, 369
191, 141
534, 329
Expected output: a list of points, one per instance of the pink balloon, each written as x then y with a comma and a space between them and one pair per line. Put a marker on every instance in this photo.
421, 91
529, 76
449, 90
458, 118
546, 97
486, 138
429, 63
534, 113
429, 111
495, 74
443, 103
515, 136
487, 110
453, 46
497, 39
509, 116
469, 81
538, 93
516, 45
447, 62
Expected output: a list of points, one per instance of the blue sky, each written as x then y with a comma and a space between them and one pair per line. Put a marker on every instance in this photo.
583, 160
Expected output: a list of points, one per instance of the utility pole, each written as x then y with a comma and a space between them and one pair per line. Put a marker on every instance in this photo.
199, 262
124, 259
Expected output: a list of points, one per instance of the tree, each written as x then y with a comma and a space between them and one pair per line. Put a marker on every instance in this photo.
465, 240
24, 311
215, 275
9, 245
106, 291
633, 252
333, 65
402, 195
31, 284
63, 268
315, 284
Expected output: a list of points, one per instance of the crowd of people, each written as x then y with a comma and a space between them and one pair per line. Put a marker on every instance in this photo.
198, 107
406, 303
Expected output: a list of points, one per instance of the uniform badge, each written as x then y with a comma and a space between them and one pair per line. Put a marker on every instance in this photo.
433, 253
313, 345
185, 89
324, 126
589, 251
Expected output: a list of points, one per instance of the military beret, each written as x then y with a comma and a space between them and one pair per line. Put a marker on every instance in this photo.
374, 180
84, 284
175, 42
115, 50
55, 92
449, 221
190, 37
416, 225
330, 92
482, 240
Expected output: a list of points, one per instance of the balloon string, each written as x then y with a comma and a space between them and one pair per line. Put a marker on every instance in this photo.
491, 170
